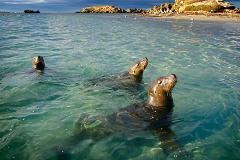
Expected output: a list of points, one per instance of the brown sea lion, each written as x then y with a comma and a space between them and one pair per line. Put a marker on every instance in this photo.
131, 77
136, 71
38, 63
158, 106
153, 115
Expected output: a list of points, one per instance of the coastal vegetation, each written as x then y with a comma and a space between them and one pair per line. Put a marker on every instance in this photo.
208, 8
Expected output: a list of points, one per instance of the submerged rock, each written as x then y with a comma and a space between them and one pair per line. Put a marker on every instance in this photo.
102, 9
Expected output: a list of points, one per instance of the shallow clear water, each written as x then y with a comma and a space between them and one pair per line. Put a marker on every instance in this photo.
38, 111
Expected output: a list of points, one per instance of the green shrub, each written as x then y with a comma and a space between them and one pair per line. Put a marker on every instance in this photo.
207, 8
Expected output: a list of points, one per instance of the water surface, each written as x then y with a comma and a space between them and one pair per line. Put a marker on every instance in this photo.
39, 110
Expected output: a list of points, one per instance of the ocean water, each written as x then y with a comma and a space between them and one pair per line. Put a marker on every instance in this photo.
39, 111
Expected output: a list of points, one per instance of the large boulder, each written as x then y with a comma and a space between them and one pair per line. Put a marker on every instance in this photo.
162, 9
102, 9
203, 5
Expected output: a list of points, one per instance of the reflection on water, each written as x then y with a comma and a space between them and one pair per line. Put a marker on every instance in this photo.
40, 111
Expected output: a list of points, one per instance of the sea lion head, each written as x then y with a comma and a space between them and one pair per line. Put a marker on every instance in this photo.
159, 92
38, 63
137, 69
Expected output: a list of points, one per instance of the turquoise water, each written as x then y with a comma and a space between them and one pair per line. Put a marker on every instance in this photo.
38, 111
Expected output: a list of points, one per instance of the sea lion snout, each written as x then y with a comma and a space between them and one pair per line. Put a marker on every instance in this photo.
138, 68
174, 75
173, 78
38, 63
144, 62
166, 83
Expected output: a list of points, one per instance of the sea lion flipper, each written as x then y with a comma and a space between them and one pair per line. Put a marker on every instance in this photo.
170, 145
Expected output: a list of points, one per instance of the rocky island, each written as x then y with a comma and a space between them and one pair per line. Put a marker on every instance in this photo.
110, 9
102, 9
31, 11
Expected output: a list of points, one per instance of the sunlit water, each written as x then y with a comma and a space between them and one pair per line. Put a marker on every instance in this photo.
38, 111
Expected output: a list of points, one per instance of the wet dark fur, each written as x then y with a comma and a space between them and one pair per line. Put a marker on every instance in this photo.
123, 81
38, 64
129, 80
134, 118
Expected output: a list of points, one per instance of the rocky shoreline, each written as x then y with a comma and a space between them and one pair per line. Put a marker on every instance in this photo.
194, 7
181, 8
204, 10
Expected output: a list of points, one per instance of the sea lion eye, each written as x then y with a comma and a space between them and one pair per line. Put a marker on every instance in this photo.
159, 82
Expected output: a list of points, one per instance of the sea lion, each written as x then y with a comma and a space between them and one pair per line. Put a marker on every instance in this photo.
154, 115
130, 78
135, 72
153, 112
38, 63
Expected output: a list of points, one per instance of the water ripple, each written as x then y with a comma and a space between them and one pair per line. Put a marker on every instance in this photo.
41, 109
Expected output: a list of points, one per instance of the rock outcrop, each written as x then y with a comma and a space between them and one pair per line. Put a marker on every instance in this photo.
102, 9
192, 6
31, 11
135, 10
162, 9
203, 5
